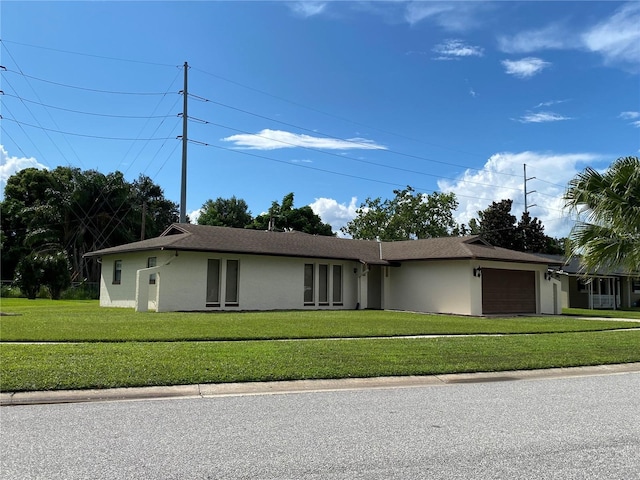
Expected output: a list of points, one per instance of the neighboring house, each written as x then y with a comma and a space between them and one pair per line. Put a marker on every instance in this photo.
601, 289
197, 267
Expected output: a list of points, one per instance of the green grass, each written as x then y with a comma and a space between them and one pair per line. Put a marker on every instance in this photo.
118, 347
85, 321
103, 365
631, 313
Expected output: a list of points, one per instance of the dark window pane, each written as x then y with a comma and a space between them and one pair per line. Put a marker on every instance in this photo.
337, 284
231, 292
213, 281
308, 283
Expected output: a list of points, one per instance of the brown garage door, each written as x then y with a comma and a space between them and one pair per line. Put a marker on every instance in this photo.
508, 291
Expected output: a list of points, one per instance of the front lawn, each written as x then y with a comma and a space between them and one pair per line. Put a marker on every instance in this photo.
101, 348
105, 365
85, 321
631, 313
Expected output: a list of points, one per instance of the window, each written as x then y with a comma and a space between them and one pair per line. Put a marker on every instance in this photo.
635, 285
213, 283
151, 262
323, 284
308, 283
231, 286
117, 272
337, 284
583, 286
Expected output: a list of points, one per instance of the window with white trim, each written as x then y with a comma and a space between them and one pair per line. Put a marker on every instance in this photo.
213, 282
117, 272
231, 285
308, 284
151, 262
337, 284
323, 284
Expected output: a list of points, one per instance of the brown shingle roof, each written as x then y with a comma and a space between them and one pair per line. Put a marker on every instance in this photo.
472, 247
238, 240
296, 244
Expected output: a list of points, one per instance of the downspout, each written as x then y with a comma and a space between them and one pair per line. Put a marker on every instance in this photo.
359, 275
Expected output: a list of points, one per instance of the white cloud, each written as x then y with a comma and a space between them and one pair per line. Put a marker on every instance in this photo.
551, 37
550, 103
194, 215
526, 67
10, 165
273, 139
504, 174
542, 117
452, 16
455, 49
335, 214
308, 8
629, 115
617, 38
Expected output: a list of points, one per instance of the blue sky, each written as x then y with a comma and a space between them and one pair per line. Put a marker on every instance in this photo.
335, 101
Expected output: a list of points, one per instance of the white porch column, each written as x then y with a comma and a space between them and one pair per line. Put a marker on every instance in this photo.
142, 291
142, 288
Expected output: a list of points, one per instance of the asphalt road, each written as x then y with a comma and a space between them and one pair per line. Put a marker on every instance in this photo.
571, 428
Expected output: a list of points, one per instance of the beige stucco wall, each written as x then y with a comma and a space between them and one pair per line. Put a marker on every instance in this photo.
433, 286
265, 283
123, 294
450, 287
270, 283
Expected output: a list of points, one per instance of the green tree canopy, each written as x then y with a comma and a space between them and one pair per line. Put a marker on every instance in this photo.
284, 217
498, 226
75, 211
608, 237
225, 212
409, 215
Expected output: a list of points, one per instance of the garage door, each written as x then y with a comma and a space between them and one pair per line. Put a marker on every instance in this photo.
508, 291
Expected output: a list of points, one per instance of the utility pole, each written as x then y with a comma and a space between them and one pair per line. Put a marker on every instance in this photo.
183, 186
144, 220
526, 205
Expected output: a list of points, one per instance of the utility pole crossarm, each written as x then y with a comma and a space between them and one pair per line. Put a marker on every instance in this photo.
526, 194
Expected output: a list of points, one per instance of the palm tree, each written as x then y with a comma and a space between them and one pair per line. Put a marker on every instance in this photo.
609, 236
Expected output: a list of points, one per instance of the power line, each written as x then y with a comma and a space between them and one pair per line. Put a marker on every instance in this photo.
85, 113
95, 90
87, 54
352, 141
83, 134
343, 157
257, 90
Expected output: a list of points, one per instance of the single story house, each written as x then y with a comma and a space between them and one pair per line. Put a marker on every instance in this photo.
197, 267
601, 289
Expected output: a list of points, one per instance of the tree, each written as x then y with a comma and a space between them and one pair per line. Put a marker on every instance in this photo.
609, 236
283, 217
29, 273
497, 225
56, 275
221, 212
530, 235
409, 215
67, 209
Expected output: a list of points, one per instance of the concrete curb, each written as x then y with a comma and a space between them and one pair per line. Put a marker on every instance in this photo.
301, 386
